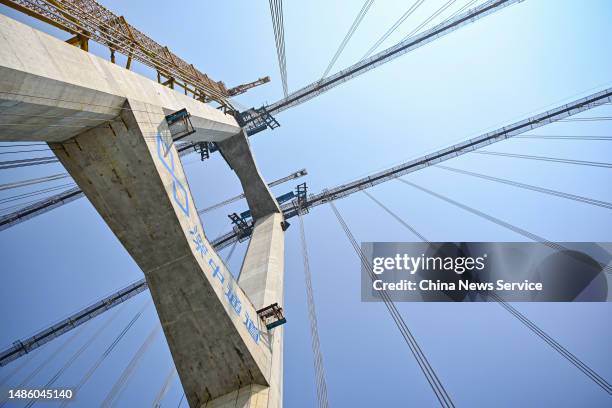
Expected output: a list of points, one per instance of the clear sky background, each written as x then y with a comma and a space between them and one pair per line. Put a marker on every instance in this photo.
531, 56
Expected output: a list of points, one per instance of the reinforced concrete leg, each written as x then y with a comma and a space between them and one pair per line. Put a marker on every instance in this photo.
261, 275
237, 152
262, 272
134, 178
261, 279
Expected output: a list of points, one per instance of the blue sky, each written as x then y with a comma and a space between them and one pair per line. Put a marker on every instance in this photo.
531, 56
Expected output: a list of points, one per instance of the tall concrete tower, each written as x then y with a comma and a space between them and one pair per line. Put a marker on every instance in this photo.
107, 125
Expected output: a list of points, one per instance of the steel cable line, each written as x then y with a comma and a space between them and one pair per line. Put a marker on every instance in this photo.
12, 217
23, 183
35, 145
406, 15
77, 354
488, 217
26, 151
397, 218
321, 383
544, 336
47, 149
455, 150
17, 369
577, 198
391, 30
588, 119
231, 252
276, 12
25, 210
282, 26
113, 395
559, 137
430, 375
11, 145
221, 204
43, 364
34, 193
71, 322
108, 351
181, 400
588, 371
165, 387
495, 220
566, 110
281, 17
11, 164
465, 6
428, 20
293, 176
545, 158
364, 10
318, 87
9, 209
